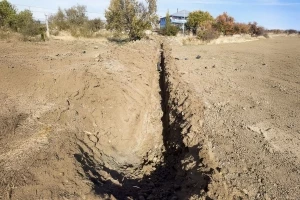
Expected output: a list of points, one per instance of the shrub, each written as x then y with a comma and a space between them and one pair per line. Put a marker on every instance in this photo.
7, 14
131, 17
172, 30
58, 20
225, 23
208, 35
169, 29
256, 30
29, 27
291, 31
95, 24
76, 15
74, 20
240, 28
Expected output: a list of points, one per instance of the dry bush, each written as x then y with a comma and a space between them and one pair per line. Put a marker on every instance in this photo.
208, 35
224, 24
256, 30
241, 28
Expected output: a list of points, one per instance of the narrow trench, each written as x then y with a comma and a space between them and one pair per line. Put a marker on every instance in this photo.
170, 180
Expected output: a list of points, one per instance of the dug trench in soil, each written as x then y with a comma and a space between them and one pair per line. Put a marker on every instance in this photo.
177, 176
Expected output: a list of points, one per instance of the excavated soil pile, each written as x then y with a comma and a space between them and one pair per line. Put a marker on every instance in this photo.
95, 120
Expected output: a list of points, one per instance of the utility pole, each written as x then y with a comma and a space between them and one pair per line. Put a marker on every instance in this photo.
47, 26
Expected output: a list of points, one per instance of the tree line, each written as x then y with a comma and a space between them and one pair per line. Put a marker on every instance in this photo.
205, 27
129, 17
22, 22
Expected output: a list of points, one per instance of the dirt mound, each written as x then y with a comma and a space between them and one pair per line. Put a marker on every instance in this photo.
99, 123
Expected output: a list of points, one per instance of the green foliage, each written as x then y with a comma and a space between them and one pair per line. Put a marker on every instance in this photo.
169, 29
76, 15
27, 26
198, 20
131, 16
7, 14
59, 20
95, 24
75, 21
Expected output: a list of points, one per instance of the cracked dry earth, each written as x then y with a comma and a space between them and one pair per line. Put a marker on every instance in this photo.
90, 119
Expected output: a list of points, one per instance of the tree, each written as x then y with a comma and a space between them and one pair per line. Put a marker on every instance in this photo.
225, 24
59, 20
24, 18
131, 16
26, 25
95, 24
256, 30
76, 15
169, 29
199, 19
7, 14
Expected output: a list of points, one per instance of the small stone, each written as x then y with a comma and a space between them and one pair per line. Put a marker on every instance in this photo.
96, 47
245, 191
214, 66
186, 59
84, 51
176, 58
198, 57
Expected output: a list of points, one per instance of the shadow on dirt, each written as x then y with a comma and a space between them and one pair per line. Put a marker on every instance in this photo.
170, 180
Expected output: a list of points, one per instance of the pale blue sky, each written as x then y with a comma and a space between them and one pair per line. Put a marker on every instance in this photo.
283, 14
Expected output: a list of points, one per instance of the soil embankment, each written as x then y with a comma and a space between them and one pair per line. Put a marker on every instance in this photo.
88, 119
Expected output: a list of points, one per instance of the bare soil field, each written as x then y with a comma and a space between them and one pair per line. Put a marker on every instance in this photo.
91, 119
251, 94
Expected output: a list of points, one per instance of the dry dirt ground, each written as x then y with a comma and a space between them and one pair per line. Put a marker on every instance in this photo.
91, 119
251, 94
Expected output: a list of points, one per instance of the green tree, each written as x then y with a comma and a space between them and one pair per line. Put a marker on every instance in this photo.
76, 15
95, 24
169, 29
24, 18
131, 16
26, 25
59, 20
199, 20
7, 14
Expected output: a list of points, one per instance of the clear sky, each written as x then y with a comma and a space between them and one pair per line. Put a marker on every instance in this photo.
283, 14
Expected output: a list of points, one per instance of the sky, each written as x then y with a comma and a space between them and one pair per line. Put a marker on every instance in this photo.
272, 14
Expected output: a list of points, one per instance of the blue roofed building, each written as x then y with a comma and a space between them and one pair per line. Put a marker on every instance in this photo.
177, 19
